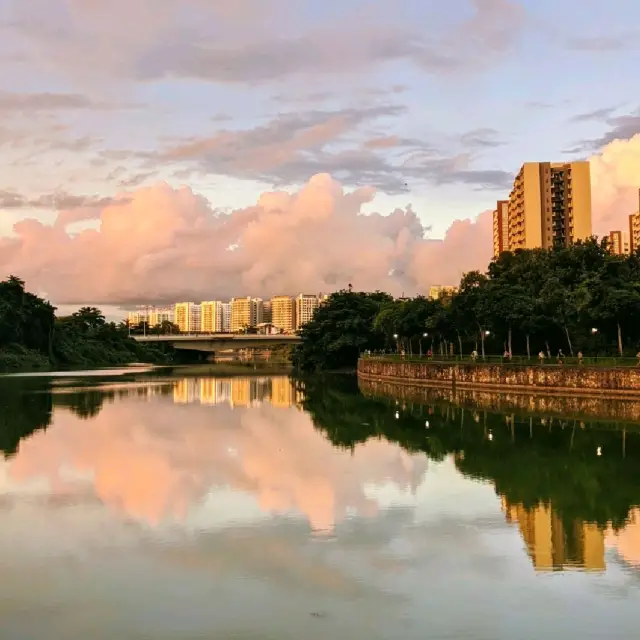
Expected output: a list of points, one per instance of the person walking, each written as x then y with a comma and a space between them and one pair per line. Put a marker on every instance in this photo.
541, 357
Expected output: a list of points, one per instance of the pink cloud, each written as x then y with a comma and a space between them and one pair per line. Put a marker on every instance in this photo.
162, 244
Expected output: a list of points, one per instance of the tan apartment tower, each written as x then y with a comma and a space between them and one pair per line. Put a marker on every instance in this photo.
634, 229
245, 312
283, 313
550, 205
619, 243
501, 228
438, 291
306, 306
211, 316
187, 317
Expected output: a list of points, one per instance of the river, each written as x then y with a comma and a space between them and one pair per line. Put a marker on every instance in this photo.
141, 504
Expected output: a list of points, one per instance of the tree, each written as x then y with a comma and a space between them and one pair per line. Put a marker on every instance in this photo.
474, 303
341, 329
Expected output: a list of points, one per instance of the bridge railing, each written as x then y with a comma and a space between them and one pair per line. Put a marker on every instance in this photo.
220, 336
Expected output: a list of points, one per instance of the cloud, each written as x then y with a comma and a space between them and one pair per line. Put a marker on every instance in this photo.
482, 138
615, 180
212, 41
30, 102
292, 146
57, 201
621, 128
597, 114
603, 44
314, 240
167, 244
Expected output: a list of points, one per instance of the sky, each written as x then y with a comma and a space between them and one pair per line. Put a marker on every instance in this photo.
164, 150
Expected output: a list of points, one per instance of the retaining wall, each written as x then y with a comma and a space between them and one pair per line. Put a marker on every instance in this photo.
547, 379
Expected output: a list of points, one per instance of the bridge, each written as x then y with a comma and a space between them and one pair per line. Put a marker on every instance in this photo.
212, 342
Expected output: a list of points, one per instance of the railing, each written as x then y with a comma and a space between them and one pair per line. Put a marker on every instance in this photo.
599, 361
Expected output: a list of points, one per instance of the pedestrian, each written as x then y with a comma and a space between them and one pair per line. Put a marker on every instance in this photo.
560, 356
638, 356
580, 357
474, 355
541, 357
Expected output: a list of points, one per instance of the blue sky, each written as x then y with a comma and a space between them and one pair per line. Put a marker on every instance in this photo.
434, 104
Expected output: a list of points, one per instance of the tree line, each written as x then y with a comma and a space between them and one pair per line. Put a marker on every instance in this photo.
33, 337
581, 298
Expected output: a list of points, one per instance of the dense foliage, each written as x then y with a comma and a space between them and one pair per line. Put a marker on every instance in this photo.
577, 298
31, 336
341, 329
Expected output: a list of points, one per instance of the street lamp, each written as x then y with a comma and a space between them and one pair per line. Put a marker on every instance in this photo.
487, 333
424, 335
594, 331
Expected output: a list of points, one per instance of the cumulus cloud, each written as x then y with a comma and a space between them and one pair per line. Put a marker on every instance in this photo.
615, 180
161, 244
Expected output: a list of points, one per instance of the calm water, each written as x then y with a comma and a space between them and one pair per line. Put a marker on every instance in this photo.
147, 506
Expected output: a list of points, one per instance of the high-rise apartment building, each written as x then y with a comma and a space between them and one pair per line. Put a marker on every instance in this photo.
267, 314
437, 291
306, 306
283, 313
245, 313
187, 317
225, 317
501, 228
211, 316
135, 318
634, 229
619, 243
158, 315
550, 205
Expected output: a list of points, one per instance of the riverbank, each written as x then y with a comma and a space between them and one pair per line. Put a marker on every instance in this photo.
610, 382
19, 359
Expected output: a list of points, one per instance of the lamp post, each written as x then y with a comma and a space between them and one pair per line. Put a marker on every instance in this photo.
395, 337
424, 335
483, 335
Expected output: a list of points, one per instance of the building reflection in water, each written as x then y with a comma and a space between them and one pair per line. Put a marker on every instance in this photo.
279, 391
554, 545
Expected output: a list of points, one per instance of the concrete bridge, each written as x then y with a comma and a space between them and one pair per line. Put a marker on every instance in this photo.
212, 342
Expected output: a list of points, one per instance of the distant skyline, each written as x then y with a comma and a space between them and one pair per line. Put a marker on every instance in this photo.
151, 134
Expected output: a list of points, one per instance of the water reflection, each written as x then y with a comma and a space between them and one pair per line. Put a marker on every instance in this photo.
554, 545
153, 462
279, 391
218, 488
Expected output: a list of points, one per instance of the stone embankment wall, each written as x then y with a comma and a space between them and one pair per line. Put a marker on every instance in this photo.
548, 379
582, 407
